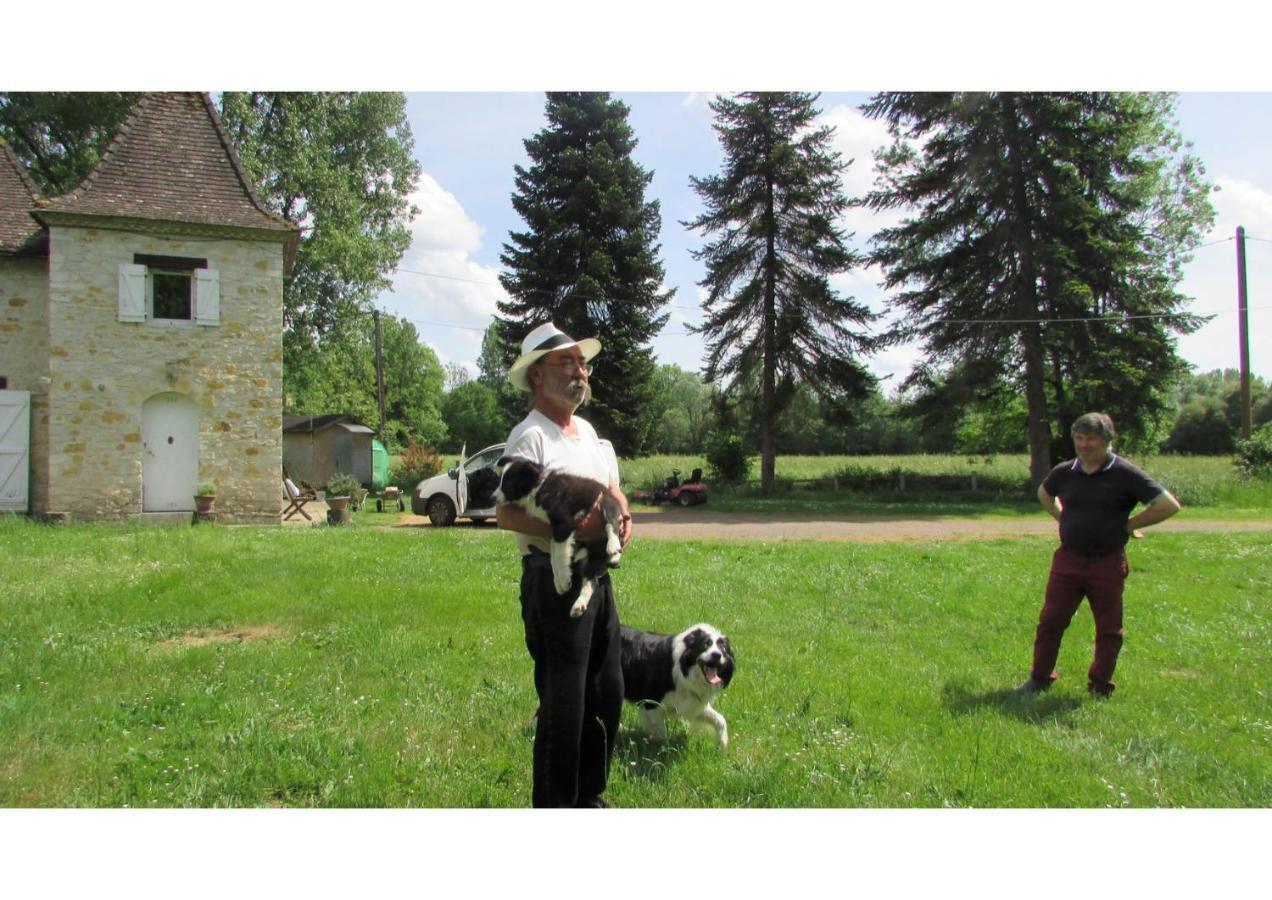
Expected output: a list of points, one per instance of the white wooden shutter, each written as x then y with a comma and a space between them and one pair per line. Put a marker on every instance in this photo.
207, 296
132, 293
15, 450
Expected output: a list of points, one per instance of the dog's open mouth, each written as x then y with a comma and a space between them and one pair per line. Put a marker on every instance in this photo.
709, 672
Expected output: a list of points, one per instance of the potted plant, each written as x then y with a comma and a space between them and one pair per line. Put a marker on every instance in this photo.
205, 497
340, 489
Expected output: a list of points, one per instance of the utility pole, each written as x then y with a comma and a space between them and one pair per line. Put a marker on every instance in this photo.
1243, 317
379, 373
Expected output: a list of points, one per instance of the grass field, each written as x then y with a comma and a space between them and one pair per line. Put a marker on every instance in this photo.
945, 484
324, 667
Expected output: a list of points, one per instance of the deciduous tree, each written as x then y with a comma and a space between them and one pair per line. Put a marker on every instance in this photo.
339, 165
341, 379
473, 417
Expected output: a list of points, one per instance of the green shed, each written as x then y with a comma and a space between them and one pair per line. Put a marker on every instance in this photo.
379, 465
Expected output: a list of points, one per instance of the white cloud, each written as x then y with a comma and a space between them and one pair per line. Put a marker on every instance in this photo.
449, 297
441, 225
857, 138
1211, 280
699, 101
892, 365
1238, 202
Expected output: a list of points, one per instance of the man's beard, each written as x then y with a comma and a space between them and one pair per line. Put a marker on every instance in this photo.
580, 391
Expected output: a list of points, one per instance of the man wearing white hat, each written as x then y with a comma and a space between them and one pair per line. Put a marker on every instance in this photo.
577, 663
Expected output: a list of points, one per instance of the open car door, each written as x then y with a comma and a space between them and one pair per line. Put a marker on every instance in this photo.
461, 483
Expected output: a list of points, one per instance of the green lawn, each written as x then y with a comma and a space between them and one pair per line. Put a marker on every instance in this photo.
365, 667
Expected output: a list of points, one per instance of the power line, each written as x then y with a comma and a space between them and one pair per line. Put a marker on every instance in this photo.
1114, 319
449, 277
439, 324
501, 287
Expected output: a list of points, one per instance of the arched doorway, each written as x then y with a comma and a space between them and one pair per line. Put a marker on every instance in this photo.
170, 453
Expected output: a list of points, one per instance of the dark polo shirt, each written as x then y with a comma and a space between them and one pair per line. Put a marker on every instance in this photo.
1095, 507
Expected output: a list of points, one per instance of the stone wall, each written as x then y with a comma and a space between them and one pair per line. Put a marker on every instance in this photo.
102, 370
24, 341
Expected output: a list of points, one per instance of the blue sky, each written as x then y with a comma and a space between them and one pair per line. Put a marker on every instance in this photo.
468, 143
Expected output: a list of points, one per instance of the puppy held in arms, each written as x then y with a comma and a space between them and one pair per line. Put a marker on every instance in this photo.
677, 674
562, 500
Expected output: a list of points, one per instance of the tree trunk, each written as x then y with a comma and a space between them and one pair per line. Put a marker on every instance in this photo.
768, 377
1063, 415
1036, 404
1037, 427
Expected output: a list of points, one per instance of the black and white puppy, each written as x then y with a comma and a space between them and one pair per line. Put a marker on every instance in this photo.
677, 674
561, 500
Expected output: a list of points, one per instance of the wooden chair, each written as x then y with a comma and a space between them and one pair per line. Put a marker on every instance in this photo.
297, 497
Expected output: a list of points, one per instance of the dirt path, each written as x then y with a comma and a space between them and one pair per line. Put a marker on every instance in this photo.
700, 524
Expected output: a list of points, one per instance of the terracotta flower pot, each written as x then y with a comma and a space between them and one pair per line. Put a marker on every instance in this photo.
338, 510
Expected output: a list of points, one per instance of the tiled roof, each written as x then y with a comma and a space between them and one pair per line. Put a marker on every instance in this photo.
171, 161
20, 235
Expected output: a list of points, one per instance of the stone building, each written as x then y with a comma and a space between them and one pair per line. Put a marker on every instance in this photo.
143, 314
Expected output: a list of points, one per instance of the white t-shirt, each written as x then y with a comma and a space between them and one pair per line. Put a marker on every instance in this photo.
538, 438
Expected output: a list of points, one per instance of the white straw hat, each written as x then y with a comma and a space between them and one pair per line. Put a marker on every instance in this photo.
542, 340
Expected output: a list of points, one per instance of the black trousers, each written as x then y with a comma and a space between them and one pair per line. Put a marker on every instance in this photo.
578, 674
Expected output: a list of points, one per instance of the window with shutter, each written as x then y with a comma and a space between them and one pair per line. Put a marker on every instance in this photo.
132, 292
169, 289
207, 297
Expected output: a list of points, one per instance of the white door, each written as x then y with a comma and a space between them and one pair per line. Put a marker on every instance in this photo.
170, 453
461, 483
15, 449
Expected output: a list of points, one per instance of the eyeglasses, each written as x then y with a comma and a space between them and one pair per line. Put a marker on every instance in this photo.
569, 364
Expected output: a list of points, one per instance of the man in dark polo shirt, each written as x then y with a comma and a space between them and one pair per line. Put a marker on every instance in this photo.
1092, 498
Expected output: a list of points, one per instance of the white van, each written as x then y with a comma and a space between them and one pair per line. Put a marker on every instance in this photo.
466, 490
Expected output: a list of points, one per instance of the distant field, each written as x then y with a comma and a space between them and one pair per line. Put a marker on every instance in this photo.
965, 481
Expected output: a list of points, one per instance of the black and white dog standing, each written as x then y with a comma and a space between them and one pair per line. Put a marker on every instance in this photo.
677, 674
561, 500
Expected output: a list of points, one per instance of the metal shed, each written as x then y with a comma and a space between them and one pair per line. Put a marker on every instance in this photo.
316, 447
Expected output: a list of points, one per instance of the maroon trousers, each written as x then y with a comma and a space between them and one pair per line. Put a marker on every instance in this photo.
1100, 580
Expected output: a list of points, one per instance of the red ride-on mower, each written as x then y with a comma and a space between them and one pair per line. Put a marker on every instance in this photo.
689, 492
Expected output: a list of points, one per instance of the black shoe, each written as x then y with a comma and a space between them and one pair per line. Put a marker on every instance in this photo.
592, 803
1032, 686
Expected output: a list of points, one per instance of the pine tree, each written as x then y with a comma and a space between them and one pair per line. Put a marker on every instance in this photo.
1044, 247
771, 310
588, 258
